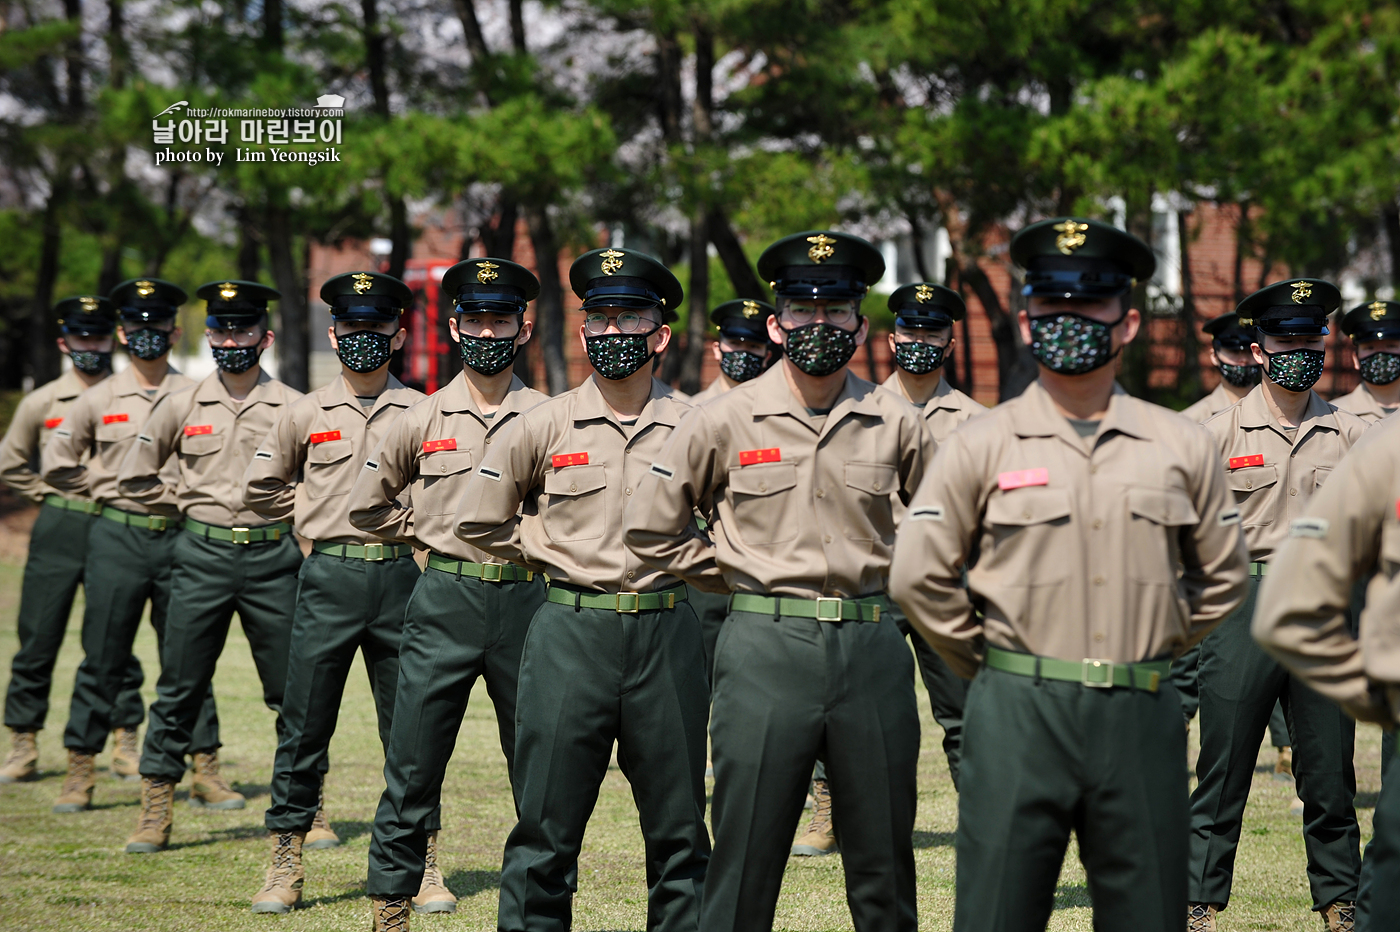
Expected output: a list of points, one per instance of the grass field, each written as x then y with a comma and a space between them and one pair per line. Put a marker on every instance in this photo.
68, 872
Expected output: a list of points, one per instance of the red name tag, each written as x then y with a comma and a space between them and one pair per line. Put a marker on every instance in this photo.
1239, 462
324, 436
560, 460
1020, 478
52, 422
194, 430
754, 457
115, 419
433, 446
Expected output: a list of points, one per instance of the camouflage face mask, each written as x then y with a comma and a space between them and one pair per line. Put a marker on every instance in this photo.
1295, 370
148, 343
617, 355
1241, 376
364, 350
1070, 344
488, 355
1381, 368
236, 359
741, 365
90, 361
918, 358
820, 349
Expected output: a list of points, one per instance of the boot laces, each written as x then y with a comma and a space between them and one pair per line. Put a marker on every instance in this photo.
392, 916
156, 811
207, 768
80, 768
21, 748
284, 860
1198, 918
126, 743
1341, 917
821, 811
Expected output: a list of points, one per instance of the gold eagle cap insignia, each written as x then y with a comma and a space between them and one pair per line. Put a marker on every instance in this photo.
823, 248
1377, 310
1072, 236
923, 294
145, 289
612, 261
89, 303
486, 272
751, 309
1301, 291
363, 282
228, 291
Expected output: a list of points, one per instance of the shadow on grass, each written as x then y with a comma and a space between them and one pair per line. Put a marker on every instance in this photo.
1367, 799
235, 833
1072, 896
473, 883
357, 893
934, 839
348, 830
252, 790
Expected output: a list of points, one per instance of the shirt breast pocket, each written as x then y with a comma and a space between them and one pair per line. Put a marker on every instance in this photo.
107, 436
1246, 483
763, 502
1027, 529
869, 486
576, 507
1320, 475
326, 473
443, 476
1155, 518
199, 452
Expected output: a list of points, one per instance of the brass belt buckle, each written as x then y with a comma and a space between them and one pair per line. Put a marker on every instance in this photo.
156, 523
629, 603
241, 535
826, 605
492, 572
1096, 674
374, 553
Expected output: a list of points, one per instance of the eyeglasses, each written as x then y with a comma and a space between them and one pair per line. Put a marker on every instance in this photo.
835, 312
934, 337
242, 336
596, 322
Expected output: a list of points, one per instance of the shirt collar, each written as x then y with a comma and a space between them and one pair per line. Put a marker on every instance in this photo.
661, 407
1037, 416
212, 390
457, 399
1255, 413
774, 396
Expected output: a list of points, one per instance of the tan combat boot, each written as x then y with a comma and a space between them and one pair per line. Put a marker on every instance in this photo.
321, 834
1283, 767
209, 789
126, 754
22, 763
153, 825
821, 836
390, 913
1200, 917
78, 785
433, 896
281, 891
1340, 917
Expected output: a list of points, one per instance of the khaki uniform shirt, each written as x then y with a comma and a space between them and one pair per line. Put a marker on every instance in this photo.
213, 438
573, 467
1363, 404
1272, 476
36, 417
1124, 546
430, 451
945, 411
711, 391
304, 467
85, 452
1351, 530
803, 502
1211, 405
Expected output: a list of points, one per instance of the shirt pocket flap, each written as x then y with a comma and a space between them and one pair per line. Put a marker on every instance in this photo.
115, 432
324, 454
201, 444
1320, 475
575, 480
873, 478
1251, 477
446, 463
1023, 507
1163, 506
763, 479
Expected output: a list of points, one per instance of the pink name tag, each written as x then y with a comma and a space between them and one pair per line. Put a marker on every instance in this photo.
1021, 478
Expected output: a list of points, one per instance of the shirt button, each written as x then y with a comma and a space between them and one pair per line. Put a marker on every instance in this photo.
1249, 483
444, 467
629, 491
1098, 635
1097, 524
763, 487
1292, 491
1026, 515
630, 574
488, 439
1098, 580
1093, 469
826, 538
821, 493
573, 488
877, 487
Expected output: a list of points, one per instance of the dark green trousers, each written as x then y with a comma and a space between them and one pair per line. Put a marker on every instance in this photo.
1044, 758
126, 568
787, 691
211, 580
1239, 686
455, 630
590, 678
1378, 904
947, 692
58, 547
343, 606
1185, 676
711, 608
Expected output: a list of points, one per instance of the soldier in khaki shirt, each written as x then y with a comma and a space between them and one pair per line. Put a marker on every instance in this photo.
227, 558
1349, 535
57, 543
352, 589
800, 466
1374, 329
1103, 542
614, 654
129, 549
470, 610
1279, 445
742, 350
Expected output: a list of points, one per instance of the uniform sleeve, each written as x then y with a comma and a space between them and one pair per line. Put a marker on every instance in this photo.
64, 464
1301, 619
659, 523
931, 548
374, 500
142, 477
488, 516
1215, 557
269, 482
19, 450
